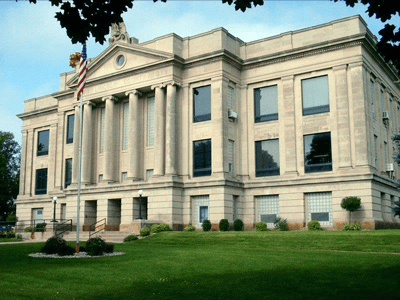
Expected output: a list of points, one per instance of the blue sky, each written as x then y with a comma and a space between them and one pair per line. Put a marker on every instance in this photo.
34, 49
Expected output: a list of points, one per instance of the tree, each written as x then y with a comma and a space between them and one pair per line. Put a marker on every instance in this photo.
81, 18
9, 172
351, 204
396, 210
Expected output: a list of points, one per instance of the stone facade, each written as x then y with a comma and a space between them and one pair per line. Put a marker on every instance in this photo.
178, 119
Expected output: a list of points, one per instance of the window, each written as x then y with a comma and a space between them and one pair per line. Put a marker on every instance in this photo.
268, 209
125, 125
200, 209
70, 128
149, 174
372, 95
68, 171
315, 95
203, 213
202, 104
385, 149
41, 182
383, 108
266, 104
317, 152
231, 97
150, 121
231, 157
376, 151
235, 204
43, 143
267, 158
100, 178
124, 176
319, 207
202, 158
102, 128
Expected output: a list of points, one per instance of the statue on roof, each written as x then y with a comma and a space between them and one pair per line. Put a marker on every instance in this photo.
118, 33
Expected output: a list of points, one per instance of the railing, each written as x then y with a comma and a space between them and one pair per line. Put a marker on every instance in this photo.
97, 227
63, 227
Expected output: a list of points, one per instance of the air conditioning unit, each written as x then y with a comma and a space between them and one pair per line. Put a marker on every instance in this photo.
385, 115
390, 167
232, 114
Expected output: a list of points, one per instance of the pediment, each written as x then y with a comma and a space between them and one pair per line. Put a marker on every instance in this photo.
120, 57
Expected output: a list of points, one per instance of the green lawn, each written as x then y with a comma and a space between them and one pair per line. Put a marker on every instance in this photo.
216, 265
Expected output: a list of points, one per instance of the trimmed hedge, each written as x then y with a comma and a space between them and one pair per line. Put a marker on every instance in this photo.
261, 226
224, 225
206, 225
238, 225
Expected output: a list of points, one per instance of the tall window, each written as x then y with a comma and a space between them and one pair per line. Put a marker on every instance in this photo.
202, 158
317, 152
231, 97
43, 143
102, 128
150, 121
231, 157
372, 95
315, 95
70, 128
267, 158
383, 108
68, 171
202, 103
385, 155
266, 104
200, 209
319, 207
41, 182
376, 151
125, 125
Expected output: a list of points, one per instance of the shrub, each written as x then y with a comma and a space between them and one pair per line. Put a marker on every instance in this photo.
10, 234
155, 228
351, 204
224, 225
356, 226
261, 226
145, 231
41, 227
65, 249
12, 218
95, 246
190, 228
206, 225
238, 225
130, 238
314, 225
109, 248
3, 234
280, 224
164, 227
28, 229
53, 245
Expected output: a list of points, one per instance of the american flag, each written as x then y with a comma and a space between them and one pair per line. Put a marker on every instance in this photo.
82, 71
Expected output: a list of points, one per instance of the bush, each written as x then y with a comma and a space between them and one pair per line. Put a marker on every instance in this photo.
314, 225
190, 228
10, 234
57, 245
261, 226
280, 224
206, 225
41, 227
224, 225
155, 228
351, 203
145, 231
164, 227
130, 238
238, 225
12, 218
109, 248
95, 246
28, 229
356, 226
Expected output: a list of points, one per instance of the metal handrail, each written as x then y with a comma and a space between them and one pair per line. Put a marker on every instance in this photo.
63, 227
97, 226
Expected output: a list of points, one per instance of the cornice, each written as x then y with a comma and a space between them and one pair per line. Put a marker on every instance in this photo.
42, 111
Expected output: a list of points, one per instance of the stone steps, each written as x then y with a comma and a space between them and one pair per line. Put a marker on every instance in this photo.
108, 236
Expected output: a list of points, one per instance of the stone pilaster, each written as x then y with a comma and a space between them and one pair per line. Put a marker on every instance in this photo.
52, 157
170, 130
109, 141
30, 150
22, 172
75, 158
134, 133
159, 134
87, 142
60, 152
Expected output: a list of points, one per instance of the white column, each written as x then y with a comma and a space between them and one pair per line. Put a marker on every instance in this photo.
109, 140
87, 143
22, 172
170, 130
133, 142
159, 134
75, 158
29, 171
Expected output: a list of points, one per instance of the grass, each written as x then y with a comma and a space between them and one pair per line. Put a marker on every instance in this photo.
5, 240
215, 265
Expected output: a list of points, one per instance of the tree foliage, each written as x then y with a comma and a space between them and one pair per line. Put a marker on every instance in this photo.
9, 172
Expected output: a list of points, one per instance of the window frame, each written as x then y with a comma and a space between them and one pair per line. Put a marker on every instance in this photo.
46, 151
327, 166
68, 172
207, 167
258, 118
69, 136
314, 109
41, 181
266, 171
202, 117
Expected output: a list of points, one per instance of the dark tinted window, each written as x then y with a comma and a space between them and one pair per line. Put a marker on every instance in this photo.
70, 129
68, 171
202, 103
41, 182
317, 152
267, 158
43, 143
202, 158
266, 104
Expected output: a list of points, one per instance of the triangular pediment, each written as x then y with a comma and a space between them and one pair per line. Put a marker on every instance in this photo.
121, 57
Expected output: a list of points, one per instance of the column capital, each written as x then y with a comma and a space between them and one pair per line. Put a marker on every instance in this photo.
112, 98
340, 68
289, 77
160, 85
90, 103
173, 83
134, 92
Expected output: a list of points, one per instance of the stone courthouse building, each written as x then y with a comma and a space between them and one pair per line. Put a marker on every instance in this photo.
211, 127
